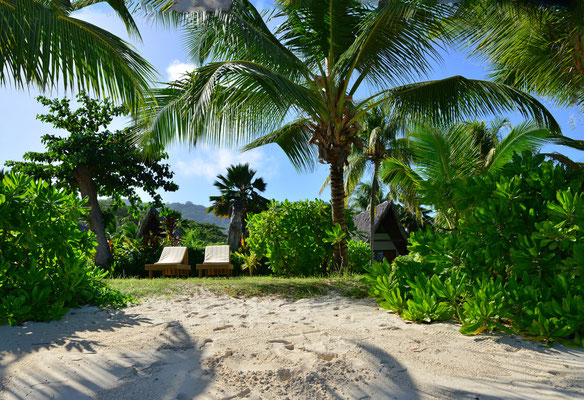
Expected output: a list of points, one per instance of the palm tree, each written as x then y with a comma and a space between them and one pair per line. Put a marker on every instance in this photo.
381, 137
360, 198
299, 84
442, 155
42, 45
239, 196
532, 44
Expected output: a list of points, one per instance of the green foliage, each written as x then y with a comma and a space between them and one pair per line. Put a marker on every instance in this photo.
359, 255
513, 261
116, 165
44, 256
249, 261
293, 237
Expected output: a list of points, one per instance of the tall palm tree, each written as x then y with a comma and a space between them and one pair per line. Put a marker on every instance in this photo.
42, 45
239, 196
382, 139
441, 155
299, 83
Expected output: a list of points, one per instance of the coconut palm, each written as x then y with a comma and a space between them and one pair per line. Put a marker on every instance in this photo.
360, 198
239, 196
532, 44
382, 137
42, 45
442, 155
299, 83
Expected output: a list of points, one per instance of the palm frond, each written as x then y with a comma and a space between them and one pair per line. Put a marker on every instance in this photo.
453, 99
121, 9
226, 103
526, 136
44, 46
293, 140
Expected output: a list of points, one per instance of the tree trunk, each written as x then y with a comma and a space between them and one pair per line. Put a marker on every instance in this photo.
372, 211
235, 225
103, 256
340, 256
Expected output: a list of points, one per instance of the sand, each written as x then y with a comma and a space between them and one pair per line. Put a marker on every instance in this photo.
209, 347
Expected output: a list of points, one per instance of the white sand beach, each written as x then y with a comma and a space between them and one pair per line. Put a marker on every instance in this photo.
209, 347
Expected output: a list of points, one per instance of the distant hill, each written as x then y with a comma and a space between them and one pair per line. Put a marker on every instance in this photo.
196, 212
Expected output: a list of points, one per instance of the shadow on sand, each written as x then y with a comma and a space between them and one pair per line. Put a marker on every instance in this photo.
81, 368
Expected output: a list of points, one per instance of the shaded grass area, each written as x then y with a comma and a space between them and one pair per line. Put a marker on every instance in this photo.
241, 286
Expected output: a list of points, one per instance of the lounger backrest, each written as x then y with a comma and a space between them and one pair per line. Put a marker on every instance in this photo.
216, 254
172, 255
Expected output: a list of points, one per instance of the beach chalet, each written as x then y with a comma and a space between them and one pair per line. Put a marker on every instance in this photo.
390, 238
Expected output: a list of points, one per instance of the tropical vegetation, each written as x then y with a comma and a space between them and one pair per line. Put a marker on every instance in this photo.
46, 264
240, 197
305, 82
510, 260
43, 45
94, 161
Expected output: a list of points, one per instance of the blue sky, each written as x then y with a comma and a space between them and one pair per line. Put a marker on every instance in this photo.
196, 168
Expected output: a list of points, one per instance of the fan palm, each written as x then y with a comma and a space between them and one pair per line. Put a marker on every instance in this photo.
42, 45
299, 84
442, 155
239, 196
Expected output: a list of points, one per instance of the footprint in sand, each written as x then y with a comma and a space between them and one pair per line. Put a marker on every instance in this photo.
288, 345
220, 328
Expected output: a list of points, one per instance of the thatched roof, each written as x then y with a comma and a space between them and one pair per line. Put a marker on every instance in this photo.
385, 212
150, 224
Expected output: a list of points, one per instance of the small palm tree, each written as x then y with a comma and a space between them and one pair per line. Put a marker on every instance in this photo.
299, 83
239, 197
42, 45
441, 155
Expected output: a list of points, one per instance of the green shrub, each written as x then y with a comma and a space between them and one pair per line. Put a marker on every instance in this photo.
292, 236
45, 266
513, 261
359, 255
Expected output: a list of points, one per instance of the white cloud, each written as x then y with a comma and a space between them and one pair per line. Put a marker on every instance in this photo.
208, 162
177, 69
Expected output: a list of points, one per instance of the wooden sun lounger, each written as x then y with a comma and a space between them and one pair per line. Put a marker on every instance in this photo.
216, 261
174, 261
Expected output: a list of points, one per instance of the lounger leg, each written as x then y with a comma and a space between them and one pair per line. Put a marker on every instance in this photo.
150, 274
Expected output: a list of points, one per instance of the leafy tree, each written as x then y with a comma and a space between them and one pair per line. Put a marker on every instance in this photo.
94, 161
43, 45
310, 69
239, 197
443, 154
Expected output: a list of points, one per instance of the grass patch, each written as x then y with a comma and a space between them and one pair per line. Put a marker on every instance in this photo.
242, 286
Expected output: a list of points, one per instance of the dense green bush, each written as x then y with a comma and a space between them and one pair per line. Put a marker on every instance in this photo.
359, 255
293, 237
45, 265
513, 262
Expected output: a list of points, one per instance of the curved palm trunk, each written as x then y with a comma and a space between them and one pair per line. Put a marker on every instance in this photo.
84, 179
372, 210
340, 256
236, 225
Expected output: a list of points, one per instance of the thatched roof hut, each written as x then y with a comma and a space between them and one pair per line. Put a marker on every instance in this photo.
390, 240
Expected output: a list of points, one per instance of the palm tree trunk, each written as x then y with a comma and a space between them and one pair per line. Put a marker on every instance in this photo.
340, 256
372, 210
235, 225
84, 179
